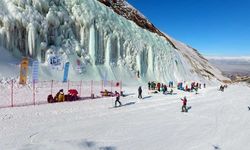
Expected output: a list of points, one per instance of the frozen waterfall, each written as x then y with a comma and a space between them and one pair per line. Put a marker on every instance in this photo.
89, 32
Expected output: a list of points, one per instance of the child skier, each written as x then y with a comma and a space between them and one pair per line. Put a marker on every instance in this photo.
184, 104
117, 96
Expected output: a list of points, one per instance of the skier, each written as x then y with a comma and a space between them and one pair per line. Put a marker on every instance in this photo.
184, 104
139, 92
117, 96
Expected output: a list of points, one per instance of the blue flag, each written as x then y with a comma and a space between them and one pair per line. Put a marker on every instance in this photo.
35, 71
66, 72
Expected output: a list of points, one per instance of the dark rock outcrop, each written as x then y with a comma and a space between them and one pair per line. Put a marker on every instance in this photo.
122, 8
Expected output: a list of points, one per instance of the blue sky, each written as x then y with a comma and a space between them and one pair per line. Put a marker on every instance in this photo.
214, 27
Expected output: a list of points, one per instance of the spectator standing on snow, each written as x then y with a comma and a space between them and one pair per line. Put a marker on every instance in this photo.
149, 85
140, 92
117, 96
204, 85
159, 87
165, 89
171, 92
184, 104
196, 90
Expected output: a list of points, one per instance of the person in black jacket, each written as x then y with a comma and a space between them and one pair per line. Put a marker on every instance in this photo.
117, 95
149, 85
140, 92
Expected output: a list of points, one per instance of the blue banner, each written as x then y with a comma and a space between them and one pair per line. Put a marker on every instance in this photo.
35, 70
66, 72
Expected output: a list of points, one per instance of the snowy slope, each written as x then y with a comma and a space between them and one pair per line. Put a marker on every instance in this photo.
198, 64
96, 41
217, 120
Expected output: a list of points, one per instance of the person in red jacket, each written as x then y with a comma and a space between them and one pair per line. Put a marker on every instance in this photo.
159, 87
184, 104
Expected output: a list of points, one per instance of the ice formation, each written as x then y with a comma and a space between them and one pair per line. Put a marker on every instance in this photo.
58, 31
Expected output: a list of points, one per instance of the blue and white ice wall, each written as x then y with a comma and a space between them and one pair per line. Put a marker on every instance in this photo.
86, 30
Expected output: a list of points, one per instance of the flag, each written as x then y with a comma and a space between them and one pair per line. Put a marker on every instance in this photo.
66, 72
35, 71
24, 71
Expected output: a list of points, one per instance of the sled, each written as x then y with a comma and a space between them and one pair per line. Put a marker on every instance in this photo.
108, 94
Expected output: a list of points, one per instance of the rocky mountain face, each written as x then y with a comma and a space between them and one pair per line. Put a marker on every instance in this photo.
124, 9
200, 65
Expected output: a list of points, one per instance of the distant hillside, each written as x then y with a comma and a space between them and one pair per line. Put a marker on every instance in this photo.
232, 65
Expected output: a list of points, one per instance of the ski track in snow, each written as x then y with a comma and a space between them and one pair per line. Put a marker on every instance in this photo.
217, 120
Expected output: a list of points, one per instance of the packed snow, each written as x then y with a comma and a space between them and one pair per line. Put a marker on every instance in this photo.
99, 44
216, 120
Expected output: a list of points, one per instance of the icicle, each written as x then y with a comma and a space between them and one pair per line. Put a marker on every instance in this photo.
92, 44
32, 39
100, 49
108, 51
82, 34
150, 61
138, 62
118, 48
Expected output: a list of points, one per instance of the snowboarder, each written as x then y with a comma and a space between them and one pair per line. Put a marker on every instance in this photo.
184, 104
117, 96
140, 92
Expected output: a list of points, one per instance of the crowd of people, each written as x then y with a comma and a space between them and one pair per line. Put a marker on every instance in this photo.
156, 87
153, 87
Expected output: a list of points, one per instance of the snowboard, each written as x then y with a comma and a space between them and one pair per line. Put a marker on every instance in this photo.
123, 105
115, 107
189, 107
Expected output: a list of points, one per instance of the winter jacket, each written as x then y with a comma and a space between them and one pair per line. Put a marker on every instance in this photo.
184, 101
61, 97
140, 90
